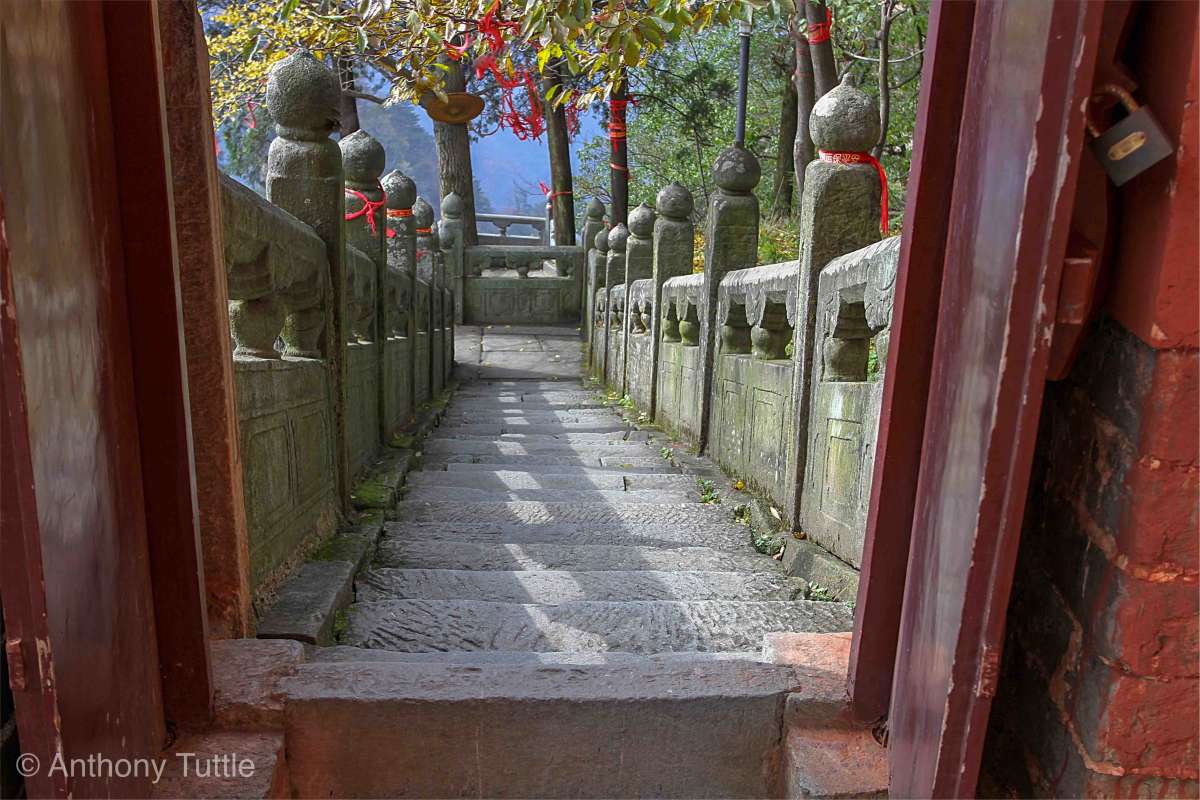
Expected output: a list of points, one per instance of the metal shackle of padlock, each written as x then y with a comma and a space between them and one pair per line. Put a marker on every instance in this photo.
1133, 144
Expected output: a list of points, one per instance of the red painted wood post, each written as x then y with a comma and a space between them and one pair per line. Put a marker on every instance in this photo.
910, 355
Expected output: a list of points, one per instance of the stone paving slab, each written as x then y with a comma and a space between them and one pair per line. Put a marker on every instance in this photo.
604, 481
342, 654
439, 494
530, 512
550, 427
641, 463
587, 558
307, 601
557, 586
728, 536
535, 466
584, 437
501, 448
639, 626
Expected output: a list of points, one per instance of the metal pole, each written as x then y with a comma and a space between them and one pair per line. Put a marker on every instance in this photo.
743, 78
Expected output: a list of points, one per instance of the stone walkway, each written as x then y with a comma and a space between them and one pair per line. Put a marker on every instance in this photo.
544, 528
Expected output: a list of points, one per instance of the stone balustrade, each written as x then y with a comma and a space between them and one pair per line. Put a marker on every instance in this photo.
762, 367
341, 312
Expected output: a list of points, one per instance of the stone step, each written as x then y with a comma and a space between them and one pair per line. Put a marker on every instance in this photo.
724, 536
536, 466
531, 512
483, 447
689, 729
341, 654
582, 479
639, 464
439, 494
558, 586
572, 437
549, 427
449, 554
640, 626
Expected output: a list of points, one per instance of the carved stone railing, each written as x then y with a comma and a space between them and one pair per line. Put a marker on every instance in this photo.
340, 330
854, 311
753, 375
639, 349
278, 274
680, 372
502, 222
525, 298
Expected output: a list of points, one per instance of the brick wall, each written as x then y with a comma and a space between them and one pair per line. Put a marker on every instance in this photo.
1099, 690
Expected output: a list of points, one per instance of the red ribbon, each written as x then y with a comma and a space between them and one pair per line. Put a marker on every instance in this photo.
369, 207
425, 231
549, 194
850, 157
821, 31
397, 212
492, 29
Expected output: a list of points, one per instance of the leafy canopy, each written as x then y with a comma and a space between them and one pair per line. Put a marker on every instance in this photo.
413, 42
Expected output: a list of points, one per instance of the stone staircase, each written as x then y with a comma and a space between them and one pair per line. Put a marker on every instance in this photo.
553, 612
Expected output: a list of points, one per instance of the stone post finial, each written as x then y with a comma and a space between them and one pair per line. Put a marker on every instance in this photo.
304, 98
736, 171
452, 206
618, 235
601, 240
363, 158
595, 209
675, 202
401, 191
845, 119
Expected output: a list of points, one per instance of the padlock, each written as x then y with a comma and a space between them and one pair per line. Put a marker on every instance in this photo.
1132, 145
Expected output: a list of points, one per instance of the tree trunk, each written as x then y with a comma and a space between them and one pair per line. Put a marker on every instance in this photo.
561, 181
454, 158
349, 105
805, 98
785, 154
825, 75
885, 93
619, 168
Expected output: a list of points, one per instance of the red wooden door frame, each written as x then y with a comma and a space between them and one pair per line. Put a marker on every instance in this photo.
910, 358
1031, 66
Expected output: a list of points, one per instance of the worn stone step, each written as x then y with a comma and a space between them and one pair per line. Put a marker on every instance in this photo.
689, 729
638, 464
532, 512
483, 447
550, 427
341, 654
581, 479
640, 626
438, 494
572, 437
558, 586
449, 554
724, 536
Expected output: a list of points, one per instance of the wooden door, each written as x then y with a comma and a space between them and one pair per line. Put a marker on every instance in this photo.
1030, 71
74, 564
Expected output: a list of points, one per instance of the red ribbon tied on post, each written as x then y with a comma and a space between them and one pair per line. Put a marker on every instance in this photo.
850, 157
394, 213
369, 207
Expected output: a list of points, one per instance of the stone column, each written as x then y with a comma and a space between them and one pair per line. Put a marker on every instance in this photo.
304, 178
598, 268
363, 160
401, 243
450, 233
592, 224
731, 242
674, 245
614, 272
639, 264
839, 213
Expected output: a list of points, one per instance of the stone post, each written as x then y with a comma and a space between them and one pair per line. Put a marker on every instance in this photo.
401, 243
731, 242
423, 219
363, 160
614, 271
639, 264
598, 267
674, 245
304, 178
839, 213
592, 224
450, 233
